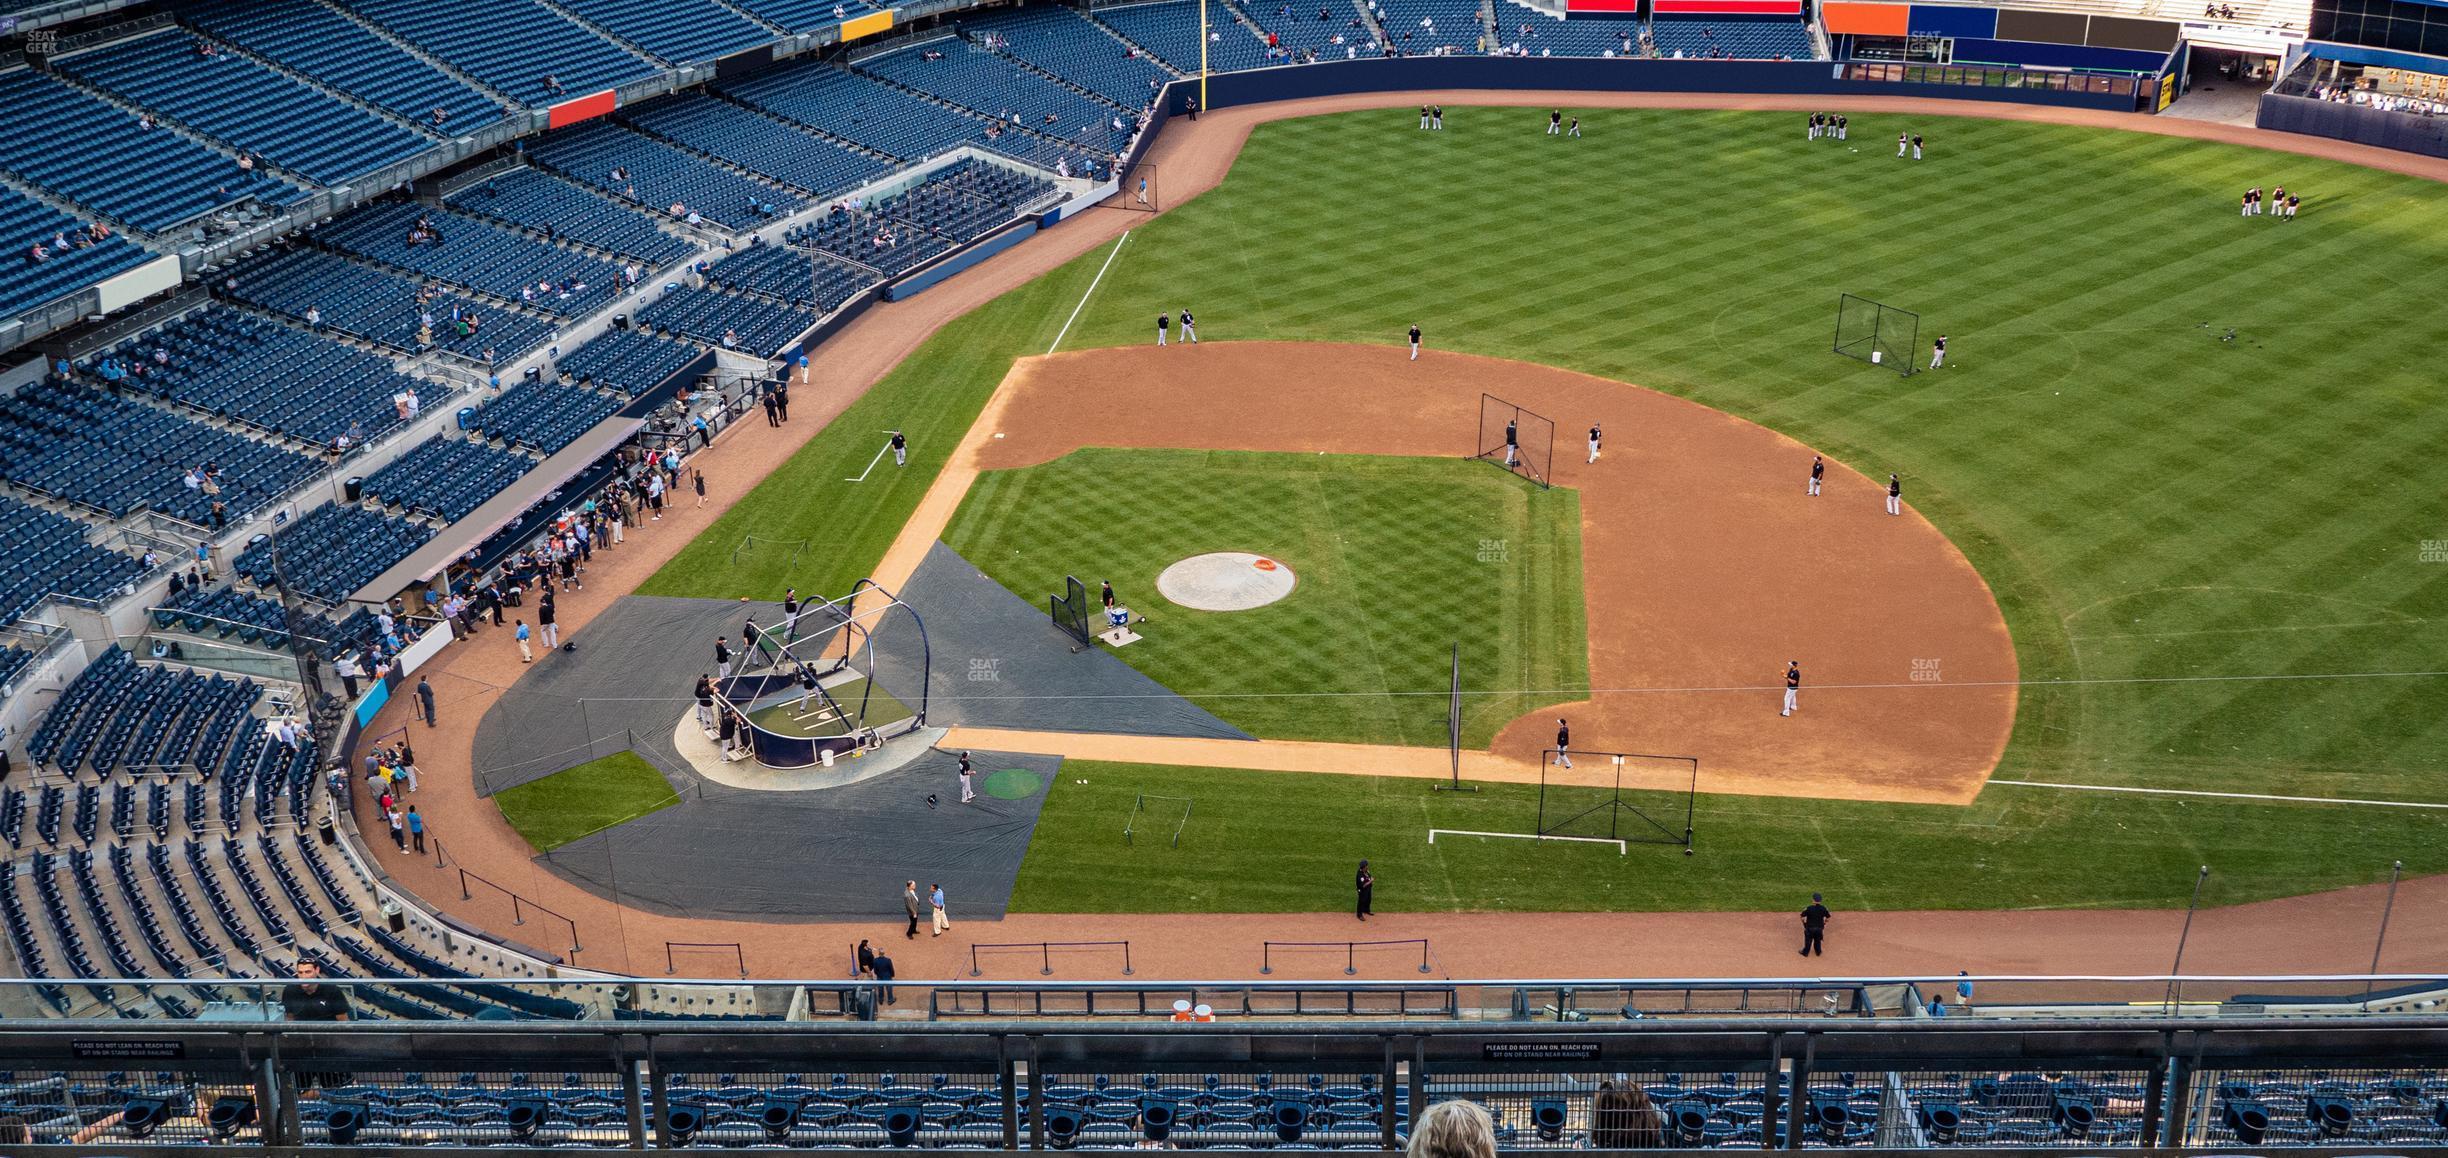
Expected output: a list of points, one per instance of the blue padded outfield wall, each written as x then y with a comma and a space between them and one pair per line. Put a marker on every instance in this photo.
2033, 54
2364, 126
1554, 74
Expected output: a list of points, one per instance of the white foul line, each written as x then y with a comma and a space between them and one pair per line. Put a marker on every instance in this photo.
2221, 795
871, 463
1620, 848
1092, 284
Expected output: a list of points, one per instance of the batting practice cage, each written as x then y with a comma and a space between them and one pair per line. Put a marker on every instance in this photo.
1881, 335
1070, 613
1521, 441
1138, 190
1618, 798
834, 681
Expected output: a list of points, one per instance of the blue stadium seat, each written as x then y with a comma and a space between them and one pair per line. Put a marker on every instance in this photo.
81, 148
661, 176
1061, 41
235, 366
807, 15
1421, 27
785, 153
791, 276
713, 316
113, 454
1170, 29
545, 204
1000, 89
378, 306
447, 477
480, 255
324, 44
72, 259
1537, 32
48, 553
1732, 37
236, 100
679, 31
627, 362
332, 552
512, 46
543, 416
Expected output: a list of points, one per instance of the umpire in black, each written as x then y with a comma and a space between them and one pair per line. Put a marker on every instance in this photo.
1814, 927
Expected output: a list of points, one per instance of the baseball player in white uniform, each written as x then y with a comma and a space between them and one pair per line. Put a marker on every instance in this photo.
1595, 436
1793, 687
1818, 469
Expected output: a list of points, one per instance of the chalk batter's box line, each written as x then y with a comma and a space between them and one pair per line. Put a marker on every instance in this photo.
1620, 847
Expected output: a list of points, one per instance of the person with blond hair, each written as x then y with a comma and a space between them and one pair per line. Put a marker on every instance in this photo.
1453, 1129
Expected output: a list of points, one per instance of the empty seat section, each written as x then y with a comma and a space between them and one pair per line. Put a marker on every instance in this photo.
1536, 32
543, 416
1421, 27
236, 100
1171, 31
1002, 89
514, 46
376, 305
72, 257
807, 15
477, 254
318, 41
447, 477
629, 362
66, 439
48, 552
236, 366
544, 203
680, 31
332, 552
99, 156
718, 317
662, 176
790, 275
1061, 41
1759, 39
753, 141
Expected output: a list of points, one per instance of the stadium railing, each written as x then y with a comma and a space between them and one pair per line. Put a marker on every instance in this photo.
236, 1080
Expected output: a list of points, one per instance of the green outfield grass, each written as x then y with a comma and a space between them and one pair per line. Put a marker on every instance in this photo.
584, 800
2218, 558
1288, 842
1398, 559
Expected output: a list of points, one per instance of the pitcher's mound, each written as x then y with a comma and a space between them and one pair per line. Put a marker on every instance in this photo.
1225, 581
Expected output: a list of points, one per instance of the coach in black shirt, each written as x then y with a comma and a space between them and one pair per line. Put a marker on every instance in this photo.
1814, 927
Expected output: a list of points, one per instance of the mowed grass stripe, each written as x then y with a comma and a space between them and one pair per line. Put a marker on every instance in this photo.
2099, 443
1398, 559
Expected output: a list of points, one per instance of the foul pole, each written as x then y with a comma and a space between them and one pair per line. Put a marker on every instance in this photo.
1202, 54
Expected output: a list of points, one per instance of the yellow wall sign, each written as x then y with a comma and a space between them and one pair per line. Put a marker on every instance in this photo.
867, 25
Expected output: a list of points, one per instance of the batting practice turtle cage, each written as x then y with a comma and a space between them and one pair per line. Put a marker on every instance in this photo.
1879, 334
1069, 611
1618, 798
1521, 441
812, 688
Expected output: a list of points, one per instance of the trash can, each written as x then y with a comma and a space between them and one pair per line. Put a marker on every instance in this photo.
328, 831
394, 917
467, 418
352, 489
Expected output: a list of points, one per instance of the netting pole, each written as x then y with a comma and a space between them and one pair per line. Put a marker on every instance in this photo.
1453, 727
